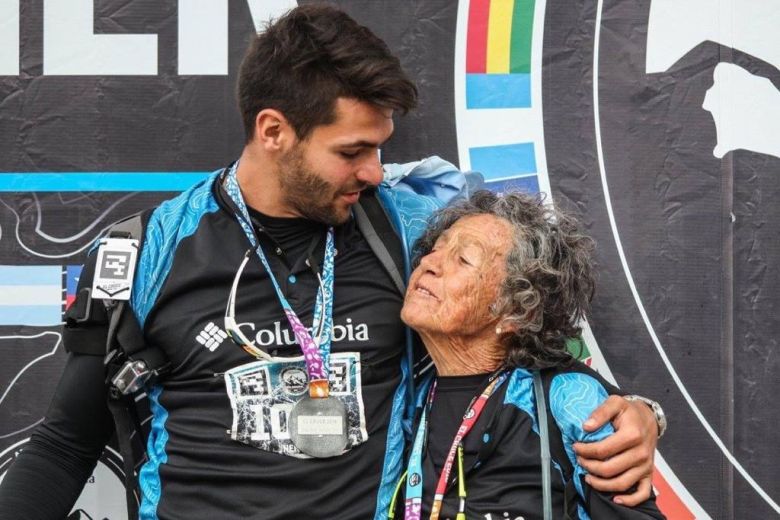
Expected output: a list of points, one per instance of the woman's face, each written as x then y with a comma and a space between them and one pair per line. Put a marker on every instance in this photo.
451, 290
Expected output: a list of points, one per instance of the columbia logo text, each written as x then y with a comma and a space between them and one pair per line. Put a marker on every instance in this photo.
279, 336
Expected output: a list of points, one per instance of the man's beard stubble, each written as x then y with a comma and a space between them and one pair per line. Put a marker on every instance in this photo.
304, 190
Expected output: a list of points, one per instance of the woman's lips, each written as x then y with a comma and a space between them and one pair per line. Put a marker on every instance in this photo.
424, 291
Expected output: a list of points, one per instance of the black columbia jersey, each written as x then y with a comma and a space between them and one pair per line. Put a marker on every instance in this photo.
502, 452
218, 449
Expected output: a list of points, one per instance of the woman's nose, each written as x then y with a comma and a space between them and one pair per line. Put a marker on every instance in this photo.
431, 262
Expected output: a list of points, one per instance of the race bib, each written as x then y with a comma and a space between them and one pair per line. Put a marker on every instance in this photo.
263, 394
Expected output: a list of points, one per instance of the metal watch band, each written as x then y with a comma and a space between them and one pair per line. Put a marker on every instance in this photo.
658, 412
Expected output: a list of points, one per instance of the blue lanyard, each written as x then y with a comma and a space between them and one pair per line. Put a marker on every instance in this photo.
316, 349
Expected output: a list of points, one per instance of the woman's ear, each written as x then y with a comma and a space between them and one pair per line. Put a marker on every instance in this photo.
506, 326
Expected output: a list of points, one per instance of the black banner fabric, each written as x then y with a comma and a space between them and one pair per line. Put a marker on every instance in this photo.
648, 124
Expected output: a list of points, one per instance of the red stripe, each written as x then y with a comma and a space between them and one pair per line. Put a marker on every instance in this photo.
476, 40
668, 502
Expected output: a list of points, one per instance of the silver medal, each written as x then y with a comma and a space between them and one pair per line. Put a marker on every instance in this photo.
318, 427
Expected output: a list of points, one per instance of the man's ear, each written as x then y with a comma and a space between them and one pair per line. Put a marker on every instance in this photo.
273, 131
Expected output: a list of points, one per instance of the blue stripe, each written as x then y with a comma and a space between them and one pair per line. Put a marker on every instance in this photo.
31, 275
149, 476
394, 450
99, 181
573, 397
498, 90
34, 315
499, 162
520, 393
72, 278
528, 184
172, 221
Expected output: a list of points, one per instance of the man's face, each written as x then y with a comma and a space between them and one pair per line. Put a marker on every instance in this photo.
321, 177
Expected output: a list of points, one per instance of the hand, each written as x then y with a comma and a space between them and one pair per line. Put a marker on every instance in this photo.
625, 458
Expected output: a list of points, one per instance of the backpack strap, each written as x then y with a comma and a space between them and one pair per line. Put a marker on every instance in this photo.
558, 451
544, 441
384, 239
374, 224
109, 328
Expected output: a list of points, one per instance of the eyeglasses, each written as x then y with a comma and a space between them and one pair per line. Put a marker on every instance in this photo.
231, 326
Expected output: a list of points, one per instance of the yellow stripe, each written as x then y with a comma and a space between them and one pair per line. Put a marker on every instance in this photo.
499, 36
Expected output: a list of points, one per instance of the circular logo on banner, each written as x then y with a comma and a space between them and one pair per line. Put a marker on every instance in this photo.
660, 124
414, 479
103, 496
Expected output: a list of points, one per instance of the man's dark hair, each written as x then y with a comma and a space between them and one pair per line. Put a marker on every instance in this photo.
311, 56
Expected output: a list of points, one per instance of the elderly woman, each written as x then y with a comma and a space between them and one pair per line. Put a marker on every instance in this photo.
500, 286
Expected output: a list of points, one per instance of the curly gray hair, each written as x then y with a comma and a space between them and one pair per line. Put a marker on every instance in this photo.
549, 281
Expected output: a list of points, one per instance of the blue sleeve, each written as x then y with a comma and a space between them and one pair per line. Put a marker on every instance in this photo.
573, 397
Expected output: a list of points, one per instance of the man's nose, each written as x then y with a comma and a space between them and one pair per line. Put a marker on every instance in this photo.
370, 171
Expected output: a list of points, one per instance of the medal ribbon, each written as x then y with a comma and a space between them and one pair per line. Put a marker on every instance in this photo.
414, 486
316, 352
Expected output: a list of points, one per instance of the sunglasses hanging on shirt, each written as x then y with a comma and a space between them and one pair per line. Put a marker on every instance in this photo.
318, 421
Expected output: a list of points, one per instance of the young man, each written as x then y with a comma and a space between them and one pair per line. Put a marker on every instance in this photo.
228, 435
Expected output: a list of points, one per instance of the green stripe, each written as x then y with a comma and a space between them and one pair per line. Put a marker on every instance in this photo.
578, 348
522, 34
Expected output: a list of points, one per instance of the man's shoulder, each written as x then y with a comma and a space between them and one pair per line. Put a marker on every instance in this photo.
186, 207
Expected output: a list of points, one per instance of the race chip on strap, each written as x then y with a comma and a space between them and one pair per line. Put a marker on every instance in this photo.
115, 268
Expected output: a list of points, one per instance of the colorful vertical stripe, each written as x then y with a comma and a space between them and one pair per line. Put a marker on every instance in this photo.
667, 499
579, 349
529, 184
498, 53
31, 295
72, 274
503, 161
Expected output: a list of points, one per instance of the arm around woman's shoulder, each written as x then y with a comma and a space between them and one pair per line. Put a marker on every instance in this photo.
572, 398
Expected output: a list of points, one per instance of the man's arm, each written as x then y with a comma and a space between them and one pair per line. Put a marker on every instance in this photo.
47, 477
624, 459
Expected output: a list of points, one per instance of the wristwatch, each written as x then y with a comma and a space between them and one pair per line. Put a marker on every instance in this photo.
658, 412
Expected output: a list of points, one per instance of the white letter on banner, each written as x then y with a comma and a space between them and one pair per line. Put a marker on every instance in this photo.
265, 10
70, 47
203, 37
9, 37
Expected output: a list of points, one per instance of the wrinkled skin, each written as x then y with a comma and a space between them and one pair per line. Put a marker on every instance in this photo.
449, 295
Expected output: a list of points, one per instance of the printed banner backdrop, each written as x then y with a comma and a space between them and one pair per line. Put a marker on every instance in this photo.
654, 120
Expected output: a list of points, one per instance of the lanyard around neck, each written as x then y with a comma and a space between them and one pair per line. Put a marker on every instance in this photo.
414, 479
316, 352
